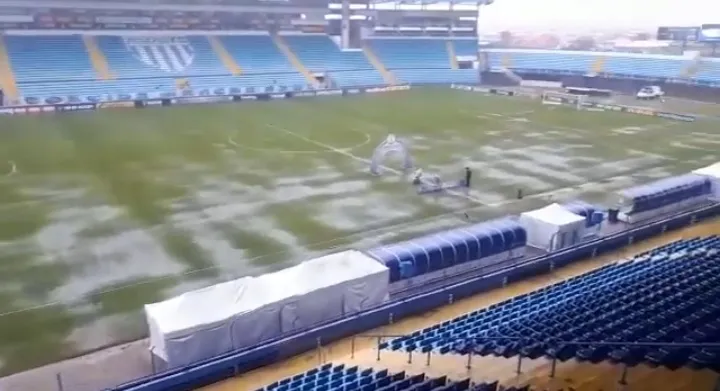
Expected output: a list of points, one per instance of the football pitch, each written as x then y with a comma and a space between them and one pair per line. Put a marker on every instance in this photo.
103, 212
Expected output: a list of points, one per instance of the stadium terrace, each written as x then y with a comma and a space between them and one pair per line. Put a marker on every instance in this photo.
303, 195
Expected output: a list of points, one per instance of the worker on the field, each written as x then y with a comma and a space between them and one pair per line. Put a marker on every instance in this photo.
468, 176
418, 176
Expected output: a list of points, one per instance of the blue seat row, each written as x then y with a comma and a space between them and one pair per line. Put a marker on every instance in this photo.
320, 54
36, 59
400, 53
50, 68
618, 64
331, 377
425, 61
466, 47
670, 294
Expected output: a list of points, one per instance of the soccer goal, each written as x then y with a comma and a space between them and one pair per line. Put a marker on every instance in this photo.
561, 99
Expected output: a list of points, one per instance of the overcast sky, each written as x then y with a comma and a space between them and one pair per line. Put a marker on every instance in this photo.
585, 13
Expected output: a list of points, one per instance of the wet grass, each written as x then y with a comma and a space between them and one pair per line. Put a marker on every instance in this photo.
19, 222
33, 337
260, 250
145, 163
118, 299
184, 248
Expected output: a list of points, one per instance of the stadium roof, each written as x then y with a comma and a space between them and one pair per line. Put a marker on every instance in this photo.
242, 2
421, 2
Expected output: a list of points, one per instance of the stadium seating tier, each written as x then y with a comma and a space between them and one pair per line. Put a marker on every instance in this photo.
340, 377
320, 54
669, 295
60, 65
617, 64
48, 58
466, 47
410, 53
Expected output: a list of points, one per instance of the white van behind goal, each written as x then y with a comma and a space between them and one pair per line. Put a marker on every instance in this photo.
562, 99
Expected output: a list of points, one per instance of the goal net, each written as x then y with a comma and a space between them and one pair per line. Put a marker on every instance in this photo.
561, 99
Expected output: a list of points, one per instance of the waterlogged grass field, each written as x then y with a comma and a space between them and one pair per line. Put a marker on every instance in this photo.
104, 212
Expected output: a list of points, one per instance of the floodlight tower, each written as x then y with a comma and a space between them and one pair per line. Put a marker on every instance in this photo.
345, 25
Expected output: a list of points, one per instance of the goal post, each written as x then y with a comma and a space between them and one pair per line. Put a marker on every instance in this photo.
562, 99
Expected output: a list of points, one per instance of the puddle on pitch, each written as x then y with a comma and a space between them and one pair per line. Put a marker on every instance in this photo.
356, 213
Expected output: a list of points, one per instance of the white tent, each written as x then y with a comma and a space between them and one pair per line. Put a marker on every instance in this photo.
713, 172
205, 323
552, 227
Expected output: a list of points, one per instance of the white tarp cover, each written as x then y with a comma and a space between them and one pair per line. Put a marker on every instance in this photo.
207, 322
713, 172
552, 227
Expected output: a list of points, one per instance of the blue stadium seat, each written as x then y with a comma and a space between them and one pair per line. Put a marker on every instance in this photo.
399, 53
668, 294
543, 61
256, 54
154, 65
320, 54
626, 65
419, 61
331, 377
48, 58
147, 65
466, 47
640, 66
709, 70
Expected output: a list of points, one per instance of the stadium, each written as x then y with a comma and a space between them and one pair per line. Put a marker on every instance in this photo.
307, 195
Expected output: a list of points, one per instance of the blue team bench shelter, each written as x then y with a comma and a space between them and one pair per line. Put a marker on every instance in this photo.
593, 214
664, 196
440, 255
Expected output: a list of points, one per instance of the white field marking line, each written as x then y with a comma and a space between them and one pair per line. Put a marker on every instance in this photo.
485, 114
368, 138
651, 155
680, 144
268, 150
13, 168
364, 160
711, 137
524, 112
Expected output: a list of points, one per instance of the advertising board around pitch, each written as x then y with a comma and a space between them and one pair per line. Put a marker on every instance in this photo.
677, 33
709, 33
